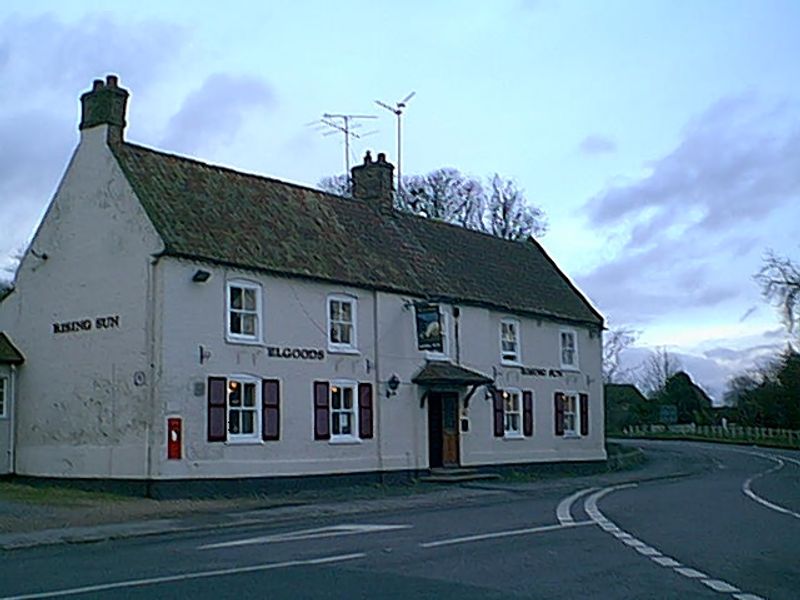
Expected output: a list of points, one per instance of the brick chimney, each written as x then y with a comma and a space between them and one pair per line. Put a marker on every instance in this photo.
374, 182
105, 105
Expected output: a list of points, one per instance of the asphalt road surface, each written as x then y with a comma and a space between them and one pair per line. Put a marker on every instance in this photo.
731, 530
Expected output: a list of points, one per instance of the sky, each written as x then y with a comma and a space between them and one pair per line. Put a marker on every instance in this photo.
662, 139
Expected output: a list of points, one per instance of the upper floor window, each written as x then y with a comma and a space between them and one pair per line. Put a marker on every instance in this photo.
3, 394
244, 311
509, 341
569, 349
341, 323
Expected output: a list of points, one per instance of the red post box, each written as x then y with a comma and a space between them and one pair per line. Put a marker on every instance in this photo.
174, 441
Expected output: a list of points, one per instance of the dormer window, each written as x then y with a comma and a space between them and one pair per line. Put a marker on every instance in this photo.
509, 341
244, 311
342, 324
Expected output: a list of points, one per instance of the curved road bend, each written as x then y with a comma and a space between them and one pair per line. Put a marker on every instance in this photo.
728, 530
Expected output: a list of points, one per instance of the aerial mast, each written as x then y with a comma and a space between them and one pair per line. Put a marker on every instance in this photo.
397, 109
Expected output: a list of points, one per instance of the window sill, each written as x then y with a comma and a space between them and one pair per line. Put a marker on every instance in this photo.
345, 441
343, 350
243, 340
245, 442
571, 435
571, 368
513, 436
510, 363
436, 356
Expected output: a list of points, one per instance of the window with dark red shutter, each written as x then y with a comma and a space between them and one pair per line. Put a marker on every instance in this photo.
365, 411
527, 413
322, 423
499, 417
270, 410
558, 411
584, 414
217, 409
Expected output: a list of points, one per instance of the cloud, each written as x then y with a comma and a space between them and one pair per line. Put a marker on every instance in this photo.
213, 113
597, 144
737, 161
45, 64
684, 234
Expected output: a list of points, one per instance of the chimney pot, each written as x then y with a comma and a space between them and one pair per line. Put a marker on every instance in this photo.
368, 158
98, 85
111, 81
381, 157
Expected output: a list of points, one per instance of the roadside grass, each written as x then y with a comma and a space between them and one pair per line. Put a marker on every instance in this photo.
53, 495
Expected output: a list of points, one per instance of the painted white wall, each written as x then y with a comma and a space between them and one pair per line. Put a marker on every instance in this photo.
295, 316
79, 413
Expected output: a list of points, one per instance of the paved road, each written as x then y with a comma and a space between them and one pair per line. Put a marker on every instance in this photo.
731, 530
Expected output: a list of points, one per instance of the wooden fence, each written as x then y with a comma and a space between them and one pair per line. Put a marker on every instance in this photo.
735, 433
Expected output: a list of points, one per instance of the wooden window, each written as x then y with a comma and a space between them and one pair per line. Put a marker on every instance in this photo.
243, 409
569, 349
509, 341
244, 311
512, 413
341, 323
4, 393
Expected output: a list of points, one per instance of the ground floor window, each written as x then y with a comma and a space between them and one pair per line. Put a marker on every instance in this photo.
342, 410
571, 414
513, 413
3, 396
243, 408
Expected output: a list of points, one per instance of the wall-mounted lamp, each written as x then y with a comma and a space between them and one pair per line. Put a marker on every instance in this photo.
392, 385
201, 276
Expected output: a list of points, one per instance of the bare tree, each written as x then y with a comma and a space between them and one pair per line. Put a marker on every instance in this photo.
335, 184
615, 342
448, 195
657, 369
508, 215
779, 279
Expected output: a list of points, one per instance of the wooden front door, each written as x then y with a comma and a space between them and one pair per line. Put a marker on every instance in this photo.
443, 429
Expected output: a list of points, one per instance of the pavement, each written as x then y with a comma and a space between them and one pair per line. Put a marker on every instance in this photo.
25, 525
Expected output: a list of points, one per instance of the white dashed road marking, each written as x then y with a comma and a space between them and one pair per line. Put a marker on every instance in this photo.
590, 505
564, 508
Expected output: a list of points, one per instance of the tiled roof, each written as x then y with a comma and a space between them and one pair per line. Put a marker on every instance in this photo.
9, 352
212, 213
439, 372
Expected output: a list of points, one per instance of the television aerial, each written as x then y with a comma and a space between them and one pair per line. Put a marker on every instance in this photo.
397, 109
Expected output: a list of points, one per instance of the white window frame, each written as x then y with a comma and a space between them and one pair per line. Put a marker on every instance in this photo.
352, 347
576, 415
517, 358
4, 396
335, 413
243, 380
510, 433
575, 364
258, 312
444, 319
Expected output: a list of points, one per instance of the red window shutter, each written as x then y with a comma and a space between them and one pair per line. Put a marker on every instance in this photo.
499, 414
559, 413
527, 413
365, 411
322, 419
217, 409
584, 414
270, 410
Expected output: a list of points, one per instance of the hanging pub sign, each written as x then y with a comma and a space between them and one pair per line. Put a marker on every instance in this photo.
429, 327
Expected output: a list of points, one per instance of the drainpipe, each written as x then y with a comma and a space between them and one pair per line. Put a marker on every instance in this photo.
12, 459
378, 399
150, 340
